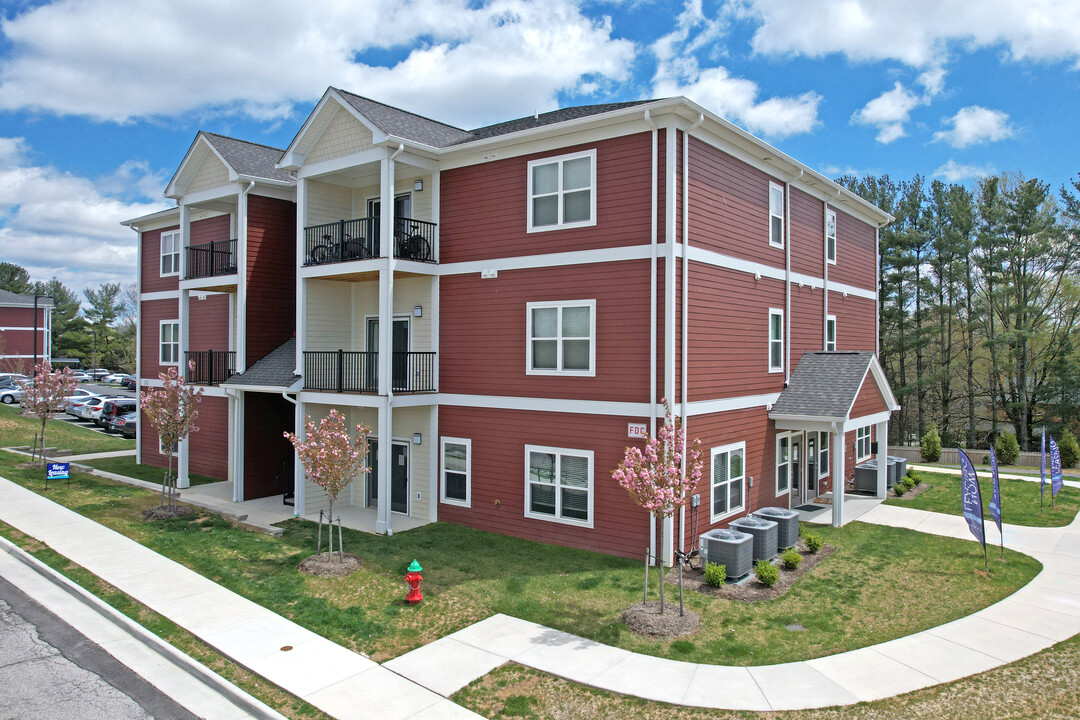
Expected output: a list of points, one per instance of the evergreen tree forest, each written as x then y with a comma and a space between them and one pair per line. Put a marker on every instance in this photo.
979, 301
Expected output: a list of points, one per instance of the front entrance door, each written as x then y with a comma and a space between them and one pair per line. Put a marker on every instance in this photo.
399, 476
399, 358
811, 469
796, 463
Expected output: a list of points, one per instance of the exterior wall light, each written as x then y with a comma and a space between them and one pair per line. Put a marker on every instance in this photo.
418, 186
417, 438
418, 311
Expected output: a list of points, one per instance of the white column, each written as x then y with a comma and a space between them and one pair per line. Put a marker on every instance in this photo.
241, 280
238, 451
838, 453
182, 479
435, 462
299, 498
382, 509
301, 290
882, 433
230, 445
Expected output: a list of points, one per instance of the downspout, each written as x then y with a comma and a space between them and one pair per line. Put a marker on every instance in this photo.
652, 316
685, 302
787, 277
138, 339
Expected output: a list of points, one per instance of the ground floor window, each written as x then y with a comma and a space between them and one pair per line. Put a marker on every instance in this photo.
862, 443
456, 471
823, 454
559, 484
783, 463
728, 480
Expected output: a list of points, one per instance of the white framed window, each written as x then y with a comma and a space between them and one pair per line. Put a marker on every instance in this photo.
823, 454
561, 338
161, 448
830, 236
456, 471
862, 443
830, 333
170, 253
562, 192
776, 215
776, 340
559, 485
783, 464
169, 342
728, 482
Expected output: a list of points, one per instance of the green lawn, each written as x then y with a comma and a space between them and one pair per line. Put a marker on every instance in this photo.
19, 429
127, 466
881, 583
1019, 500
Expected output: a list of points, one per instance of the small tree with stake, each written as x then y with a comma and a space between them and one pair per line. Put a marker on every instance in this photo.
655, 477
331, 457
47, 395
172, 409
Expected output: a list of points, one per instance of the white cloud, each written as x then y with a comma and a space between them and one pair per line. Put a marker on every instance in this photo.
472, 63
54, 223
974, 125
953, 171
888, 112
678, 73
918, 33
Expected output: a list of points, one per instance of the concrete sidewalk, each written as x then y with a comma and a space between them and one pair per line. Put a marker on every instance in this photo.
338, 681
985, 471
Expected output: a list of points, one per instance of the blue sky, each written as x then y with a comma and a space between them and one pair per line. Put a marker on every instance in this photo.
99, 99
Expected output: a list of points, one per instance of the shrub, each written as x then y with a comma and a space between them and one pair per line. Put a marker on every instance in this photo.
908, 483
814, 542
899, 488
986, 460
766, 572
1007, 449
1070, 450
715, 574
931, 445
791, 559
915, 477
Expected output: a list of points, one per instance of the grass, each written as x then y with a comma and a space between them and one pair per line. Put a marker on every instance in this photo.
1019, 500
19, 429
874, 588
1044, 685
127, 466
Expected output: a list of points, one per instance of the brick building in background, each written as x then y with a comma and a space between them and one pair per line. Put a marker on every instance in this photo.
20, 325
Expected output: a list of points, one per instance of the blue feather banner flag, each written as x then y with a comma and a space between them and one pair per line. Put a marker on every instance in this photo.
972, 498
995, 499
1057, 480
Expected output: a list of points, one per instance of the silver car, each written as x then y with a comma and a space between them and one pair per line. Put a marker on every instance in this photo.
11, 395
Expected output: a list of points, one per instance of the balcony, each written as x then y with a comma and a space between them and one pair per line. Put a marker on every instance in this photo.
210, 259
348, 371
209, 367
358, 239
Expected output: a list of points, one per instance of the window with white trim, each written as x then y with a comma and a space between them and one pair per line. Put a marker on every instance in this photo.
776, 340
457, 471
783, 463
169, 342
559, 485
562, 192
830, 333
561, 338
170, 253
823, 454
728, 483
161, 447
830, 236
776, 215
862, 443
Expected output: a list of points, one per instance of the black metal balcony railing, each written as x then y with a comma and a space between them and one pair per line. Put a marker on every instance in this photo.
209, 367
358, 239
347, 371
211, 259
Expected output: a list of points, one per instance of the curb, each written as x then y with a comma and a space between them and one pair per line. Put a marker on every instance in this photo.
249, 704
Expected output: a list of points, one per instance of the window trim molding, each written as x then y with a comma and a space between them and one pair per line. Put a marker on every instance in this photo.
831, 213
868, 438
832, 319
789, 436
591, 491
161, 448
161, 325
783, 220
173, 235
775, 368
559, 305
467, 442
713, 452
824, 447
560, 159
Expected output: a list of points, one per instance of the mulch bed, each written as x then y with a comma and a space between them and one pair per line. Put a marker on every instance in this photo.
912, 493
751, 590
163, 513
647, 620
330, 564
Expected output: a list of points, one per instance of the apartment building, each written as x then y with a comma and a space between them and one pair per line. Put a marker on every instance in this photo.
507, 308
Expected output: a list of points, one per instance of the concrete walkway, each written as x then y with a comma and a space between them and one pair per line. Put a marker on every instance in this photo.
984, 473
338, 681
100, 455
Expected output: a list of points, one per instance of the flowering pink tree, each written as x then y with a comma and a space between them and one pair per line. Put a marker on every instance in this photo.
331, 457
655, 477
172, 409
47, 395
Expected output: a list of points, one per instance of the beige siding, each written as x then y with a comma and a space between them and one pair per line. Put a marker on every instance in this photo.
327, 325
328, 203
211, 174
421, 201
407, 421
343, 136
409, 292
315, 497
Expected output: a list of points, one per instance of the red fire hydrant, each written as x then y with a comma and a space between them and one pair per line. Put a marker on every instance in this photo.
413, 579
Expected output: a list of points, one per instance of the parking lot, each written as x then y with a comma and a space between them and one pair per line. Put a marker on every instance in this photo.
105, 391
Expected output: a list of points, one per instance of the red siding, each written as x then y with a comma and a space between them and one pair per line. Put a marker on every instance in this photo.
729, 206
855, 321
271, 275
154, 311
482, 331
208, 322
20, 340
807, 233
869, 400
729, 333
266, 418
151, 263
856, 252
215, 229
208, 449
483, 207
807, 328
498, 475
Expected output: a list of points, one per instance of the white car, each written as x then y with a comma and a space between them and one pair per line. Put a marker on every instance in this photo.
86, 410
81, 376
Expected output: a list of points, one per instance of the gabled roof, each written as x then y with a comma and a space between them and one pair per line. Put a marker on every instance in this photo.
276, 370
824, 386
404, 124
241, 158
8, 298
548, 118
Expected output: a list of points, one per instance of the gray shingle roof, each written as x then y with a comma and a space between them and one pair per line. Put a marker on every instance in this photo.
9, 298
549, 118
248, 158
274, 370
823, 384
404, 124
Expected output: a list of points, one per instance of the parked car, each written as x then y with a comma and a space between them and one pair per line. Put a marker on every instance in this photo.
115, 378
72, 407
98, 373
11, 395
129, 382
114, 408
5, 377
84, 410
80, 376
126, 425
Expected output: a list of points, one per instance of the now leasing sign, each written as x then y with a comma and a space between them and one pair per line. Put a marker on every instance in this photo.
58, 471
